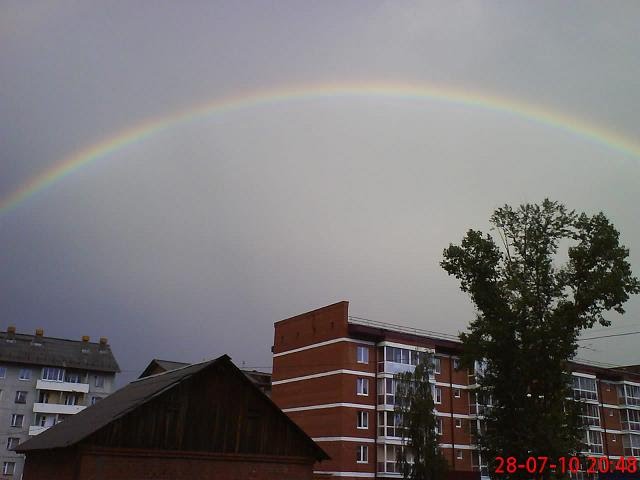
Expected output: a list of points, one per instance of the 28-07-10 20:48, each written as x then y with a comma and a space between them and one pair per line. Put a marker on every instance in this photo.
541, 464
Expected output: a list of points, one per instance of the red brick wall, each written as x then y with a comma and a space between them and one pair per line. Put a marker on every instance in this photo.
109, 464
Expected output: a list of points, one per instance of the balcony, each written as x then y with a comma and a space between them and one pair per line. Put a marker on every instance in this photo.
36, 429
57, 408
62, 386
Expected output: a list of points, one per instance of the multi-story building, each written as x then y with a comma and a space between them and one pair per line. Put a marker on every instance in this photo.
42, 381
333, 374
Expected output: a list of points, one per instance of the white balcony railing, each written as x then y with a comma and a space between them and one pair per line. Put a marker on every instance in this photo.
62, 386
57, 408
36, 429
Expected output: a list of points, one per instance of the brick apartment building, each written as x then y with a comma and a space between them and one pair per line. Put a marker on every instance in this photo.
334, 376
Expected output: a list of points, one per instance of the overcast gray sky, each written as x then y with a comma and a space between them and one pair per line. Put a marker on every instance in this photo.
193, 242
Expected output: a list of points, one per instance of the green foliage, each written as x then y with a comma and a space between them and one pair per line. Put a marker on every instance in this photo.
530, 312
414, 405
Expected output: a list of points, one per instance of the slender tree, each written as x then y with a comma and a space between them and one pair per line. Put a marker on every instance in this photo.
530, 311
420, 458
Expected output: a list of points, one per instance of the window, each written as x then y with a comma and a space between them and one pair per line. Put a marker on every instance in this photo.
362, 354
633, 420
594, 441
458, 423
437, 395
590, 415
44, 397
439, 427
630, 394
362, 455
72, 377
16, 420
99, 381
21, 397
631, 444
95, 400
584, 388
12, 442
362, 386
456, 364
436, 365
25, 374
8, 468
71, 399
459, 454
3, 371
363, 420
53, 374
456, 392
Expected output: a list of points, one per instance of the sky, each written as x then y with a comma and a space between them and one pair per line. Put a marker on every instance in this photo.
192, 241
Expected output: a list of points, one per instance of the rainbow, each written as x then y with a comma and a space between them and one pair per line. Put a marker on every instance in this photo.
258, 98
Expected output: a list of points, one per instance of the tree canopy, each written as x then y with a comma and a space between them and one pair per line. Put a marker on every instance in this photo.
545, 275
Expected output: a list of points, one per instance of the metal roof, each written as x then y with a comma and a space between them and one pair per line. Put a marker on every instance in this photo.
56, 352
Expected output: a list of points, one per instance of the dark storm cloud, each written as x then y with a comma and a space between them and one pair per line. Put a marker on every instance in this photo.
193, 242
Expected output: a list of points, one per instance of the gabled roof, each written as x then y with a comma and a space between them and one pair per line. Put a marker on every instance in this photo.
78, 427
164, 365
56, 352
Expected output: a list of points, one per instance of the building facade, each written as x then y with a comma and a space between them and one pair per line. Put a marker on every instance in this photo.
43, 380
334, 375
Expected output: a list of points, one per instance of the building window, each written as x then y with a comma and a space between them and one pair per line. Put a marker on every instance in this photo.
456, 364
16, 420
590, 415
8, 468
594, 441
53, 374
633, 420
25, 374
458, 423
95, 400
363, 420
71, 399
456, 392
99, 381
584, 388
362, 455
439, 426
44, 397
459, 454
72, 377
436, 365
21, 397
3, 371
437, 395
362, 354
362, 386
12, 442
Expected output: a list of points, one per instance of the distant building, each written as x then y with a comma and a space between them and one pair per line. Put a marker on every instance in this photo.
261, 379
333, 374
43, 380
206, 420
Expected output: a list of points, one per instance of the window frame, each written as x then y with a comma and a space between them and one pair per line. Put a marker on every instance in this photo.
14, 417
458, 422
437, 395
12, 444
362, 421
3, 371
364, 383
99, 384
437, 365
58, 377
5, 469
362, 454
20, 397
362, 354
23, 371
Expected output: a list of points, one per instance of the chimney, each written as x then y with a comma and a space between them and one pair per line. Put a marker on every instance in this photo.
103, 341
11, 332
39, 332
86, 338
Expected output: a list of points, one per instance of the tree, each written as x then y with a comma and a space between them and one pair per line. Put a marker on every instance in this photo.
529, 314
420, 457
